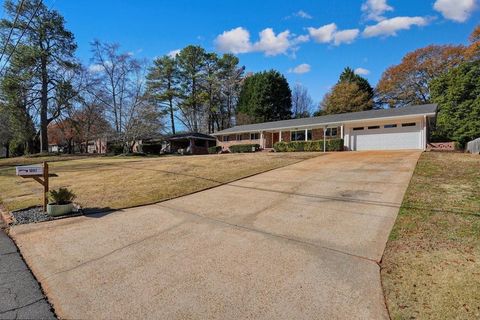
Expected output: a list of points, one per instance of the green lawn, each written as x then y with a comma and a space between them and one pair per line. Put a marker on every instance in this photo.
120, 182
431, 266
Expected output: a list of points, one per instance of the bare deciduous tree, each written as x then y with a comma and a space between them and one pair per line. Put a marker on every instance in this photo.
301, 102
119, 85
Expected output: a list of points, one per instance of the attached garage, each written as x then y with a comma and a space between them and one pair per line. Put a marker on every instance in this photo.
387, 136
382, 129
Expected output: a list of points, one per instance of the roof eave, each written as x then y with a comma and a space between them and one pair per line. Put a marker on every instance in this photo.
220, 133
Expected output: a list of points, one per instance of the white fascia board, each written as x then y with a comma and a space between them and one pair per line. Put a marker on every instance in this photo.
328, 124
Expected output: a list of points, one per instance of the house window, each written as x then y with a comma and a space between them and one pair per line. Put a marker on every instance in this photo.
254, 136
373, 127
357, 128
409, 124
225, 138
239, 137
390, 126
300, 135
331, 132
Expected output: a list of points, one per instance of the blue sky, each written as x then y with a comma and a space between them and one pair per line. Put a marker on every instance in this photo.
325, 35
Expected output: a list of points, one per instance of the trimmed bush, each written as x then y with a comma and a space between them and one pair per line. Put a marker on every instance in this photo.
310, 146
335, 145
214, 149
239, 148
280, 146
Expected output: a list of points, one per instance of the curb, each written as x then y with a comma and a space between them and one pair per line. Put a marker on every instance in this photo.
5, 216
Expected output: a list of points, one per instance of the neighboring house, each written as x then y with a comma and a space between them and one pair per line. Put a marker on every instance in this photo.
188, 143
384, 129
98, 145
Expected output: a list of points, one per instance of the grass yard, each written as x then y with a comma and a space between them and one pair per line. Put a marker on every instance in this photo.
28, 160
120, 182
431, 266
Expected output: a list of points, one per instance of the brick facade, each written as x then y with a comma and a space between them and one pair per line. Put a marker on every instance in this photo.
269, 138
232, 140
317, 134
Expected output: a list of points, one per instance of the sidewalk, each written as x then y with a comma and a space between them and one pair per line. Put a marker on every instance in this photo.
20, 294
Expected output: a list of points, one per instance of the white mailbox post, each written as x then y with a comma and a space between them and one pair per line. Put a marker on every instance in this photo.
36, 173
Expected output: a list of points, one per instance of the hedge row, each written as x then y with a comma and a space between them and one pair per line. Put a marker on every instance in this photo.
244, 148
317, 145
214, 149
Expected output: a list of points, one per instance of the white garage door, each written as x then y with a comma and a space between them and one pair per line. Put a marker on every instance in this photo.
387, 136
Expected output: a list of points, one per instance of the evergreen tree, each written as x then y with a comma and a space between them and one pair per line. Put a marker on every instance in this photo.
352, 93
162, 81
191, 64
211, 89
457, 93
346, 97
265, 96
48, 56
348, 75
231, 79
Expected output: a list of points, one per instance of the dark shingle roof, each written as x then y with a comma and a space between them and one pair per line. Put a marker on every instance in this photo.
334, 118
190, 135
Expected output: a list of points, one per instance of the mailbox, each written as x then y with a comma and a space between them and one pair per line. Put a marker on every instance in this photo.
29, 171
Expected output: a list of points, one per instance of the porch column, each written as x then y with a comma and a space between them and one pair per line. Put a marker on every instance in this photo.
425, 129
191, 144
262, 141
280, 136
324, 139
341, 131
306, 134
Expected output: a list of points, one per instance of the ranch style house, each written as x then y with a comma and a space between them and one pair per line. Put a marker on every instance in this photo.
383, 129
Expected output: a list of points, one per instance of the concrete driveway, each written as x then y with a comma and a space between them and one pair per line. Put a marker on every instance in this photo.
300, 242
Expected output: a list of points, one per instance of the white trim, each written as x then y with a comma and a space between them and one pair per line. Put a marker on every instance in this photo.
425, 136
325, 139
328, 124
351, 144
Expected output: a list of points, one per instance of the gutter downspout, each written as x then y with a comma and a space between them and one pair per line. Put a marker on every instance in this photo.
424, 132
324, 139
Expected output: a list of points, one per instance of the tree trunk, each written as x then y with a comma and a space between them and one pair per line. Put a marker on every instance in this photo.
44, 107
7, 149
172, 119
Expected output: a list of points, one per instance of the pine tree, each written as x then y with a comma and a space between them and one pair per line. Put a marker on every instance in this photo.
48, 56
162, 81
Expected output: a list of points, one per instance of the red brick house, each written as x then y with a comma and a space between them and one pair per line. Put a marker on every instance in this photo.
384, 129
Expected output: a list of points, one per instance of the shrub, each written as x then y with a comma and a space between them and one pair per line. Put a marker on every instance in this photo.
316, 145
239, 148
61, 196
115, 149
458, 146
17, 149
280, 146
311, 146
335, 145
214, 149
